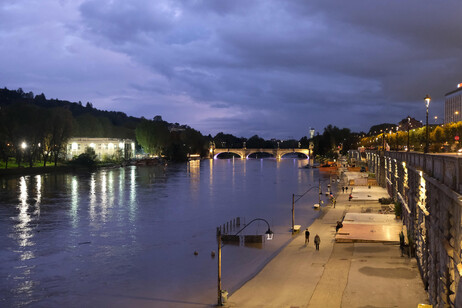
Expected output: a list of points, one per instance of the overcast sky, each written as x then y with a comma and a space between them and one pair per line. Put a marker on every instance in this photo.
272, 68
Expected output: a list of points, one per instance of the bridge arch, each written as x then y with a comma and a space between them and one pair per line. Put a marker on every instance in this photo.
271, 154
231, 152
296, 152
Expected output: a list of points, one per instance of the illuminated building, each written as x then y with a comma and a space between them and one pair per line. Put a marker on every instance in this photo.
453, 105
103, 147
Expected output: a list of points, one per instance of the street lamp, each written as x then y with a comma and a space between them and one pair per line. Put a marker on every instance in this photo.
299, 197
408, 127
455, 115
269, 236
427, 103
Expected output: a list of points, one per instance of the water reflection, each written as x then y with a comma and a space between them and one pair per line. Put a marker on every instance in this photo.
38, 189
121, 186
144, 240
23, 228
74, 200
24, 236
111, 188
103, 193
92, 198
132, 193
194, 172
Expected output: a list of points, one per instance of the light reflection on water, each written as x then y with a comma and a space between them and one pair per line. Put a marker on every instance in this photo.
132, 193
132, 230
75, 201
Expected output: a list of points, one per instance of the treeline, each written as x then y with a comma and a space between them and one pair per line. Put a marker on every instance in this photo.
335, 140
441, 138
34, 128
30, 133
175, 142
86, 120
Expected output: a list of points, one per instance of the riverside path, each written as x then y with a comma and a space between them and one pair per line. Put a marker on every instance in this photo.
338, 275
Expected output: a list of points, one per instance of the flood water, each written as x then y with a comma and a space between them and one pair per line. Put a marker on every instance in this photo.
126, 237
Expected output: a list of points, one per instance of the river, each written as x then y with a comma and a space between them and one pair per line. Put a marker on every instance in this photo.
126, 237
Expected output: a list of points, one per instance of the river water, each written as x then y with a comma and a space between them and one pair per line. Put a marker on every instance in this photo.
126, 237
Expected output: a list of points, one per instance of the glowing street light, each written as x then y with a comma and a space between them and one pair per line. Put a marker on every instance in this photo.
23, 145
408, 127
427, 103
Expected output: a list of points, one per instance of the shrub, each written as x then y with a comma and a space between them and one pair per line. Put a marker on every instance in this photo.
398, 209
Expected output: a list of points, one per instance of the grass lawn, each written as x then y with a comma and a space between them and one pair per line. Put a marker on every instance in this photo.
13, 165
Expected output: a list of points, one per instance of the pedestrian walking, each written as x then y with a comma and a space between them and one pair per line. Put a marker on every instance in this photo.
346, 189
401, 243
317, 241
343, 189
350, 197
307, 236
334, 201
339, 226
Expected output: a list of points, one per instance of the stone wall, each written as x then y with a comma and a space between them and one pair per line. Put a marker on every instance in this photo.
429, 188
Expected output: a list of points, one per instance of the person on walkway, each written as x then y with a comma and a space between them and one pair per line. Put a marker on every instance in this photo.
346, 189
334, 201
307, 236
339, 226
350, 197
401, 243
317, 241
343, 189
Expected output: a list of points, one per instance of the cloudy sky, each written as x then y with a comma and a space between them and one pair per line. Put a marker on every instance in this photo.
272, 68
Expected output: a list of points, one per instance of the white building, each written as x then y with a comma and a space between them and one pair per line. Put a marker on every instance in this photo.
103, 147
453, 105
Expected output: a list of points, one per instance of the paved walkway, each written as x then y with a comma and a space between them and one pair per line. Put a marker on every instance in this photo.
338, 275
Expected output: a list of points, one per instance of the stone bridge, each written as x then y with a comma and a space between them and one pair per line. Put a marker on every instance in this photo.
244, 152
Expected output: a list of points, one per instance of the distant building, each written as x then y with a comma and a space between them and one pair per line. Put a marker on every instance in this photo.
412, 123
311, 133
453, 105
103, 147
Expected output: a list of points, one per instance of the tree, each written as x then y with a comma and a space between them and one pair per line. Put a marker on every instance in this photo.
152, 136
227, 140
87, 159
88, 126
255, 142
60, 132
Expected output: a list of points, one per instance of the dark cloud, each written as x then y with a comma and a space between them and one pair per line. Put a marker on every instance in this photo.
272, 68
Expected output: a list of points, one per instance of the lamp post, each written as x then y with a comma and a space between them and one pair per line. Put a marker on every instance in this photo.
456, 113
269, 236
408, 127
299, 197
427, 103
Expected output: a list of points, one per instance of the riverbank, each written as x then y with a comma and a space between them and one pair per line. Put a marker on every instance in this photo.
51, 169
338, 275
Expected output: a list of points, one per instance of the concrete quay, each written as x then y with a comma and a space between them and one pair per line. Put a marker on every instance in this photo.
349, 274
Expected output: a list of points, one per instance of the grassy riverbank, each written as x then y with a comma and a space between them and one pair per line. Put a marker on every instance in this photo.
40, 169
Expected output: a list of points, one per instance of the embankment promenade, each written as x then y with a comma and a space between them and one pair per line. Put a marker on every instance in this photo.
354, 274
